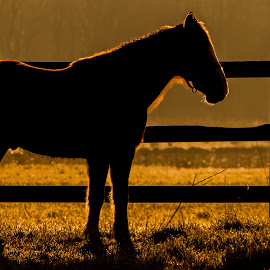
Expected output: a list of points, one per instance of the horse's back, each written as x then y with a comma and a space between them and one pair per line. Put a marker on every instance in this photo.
68, 111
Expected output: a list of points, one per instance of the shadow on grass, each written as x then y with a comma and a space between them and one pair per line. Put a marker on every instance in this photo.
4, 262
109, 257
229, 244
164, 234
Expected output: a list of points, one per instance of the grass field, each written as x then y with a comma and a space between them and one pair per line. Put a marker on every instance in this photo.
200, 236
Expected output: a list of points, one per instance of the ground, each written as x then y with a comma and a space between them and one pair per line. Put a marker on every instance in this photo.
199, 236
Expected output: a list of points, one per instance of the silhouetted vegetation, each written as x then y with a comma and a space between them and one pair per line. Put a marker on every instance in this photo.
197, 157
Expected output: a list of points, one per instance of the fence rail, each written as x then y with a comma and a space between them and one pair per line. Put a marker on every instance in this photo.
170, 194
205, 134
161, 193
140, 194
235, 69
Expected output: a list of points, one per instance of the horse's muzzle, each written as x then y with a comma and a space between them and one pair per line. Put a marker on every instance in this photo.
213, 99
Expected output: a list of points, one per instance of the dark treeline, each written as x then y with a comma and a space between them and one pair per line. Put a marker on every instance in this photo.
176, 157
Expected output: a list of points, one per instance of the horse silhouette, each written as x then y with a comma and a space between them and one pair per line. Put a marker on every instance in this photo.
96, 108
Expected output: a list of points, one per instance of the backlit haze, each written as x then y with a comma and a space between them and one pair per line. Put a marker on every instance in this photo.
45, 30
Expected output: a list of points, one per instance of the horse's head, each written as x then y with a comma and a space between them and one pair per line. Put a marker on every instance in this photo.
202, 70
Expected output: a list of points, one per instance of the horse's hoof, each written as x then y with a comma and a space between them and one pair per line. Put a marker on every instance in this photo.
95, 241
124, 240
126, 246
96, 247
93, 238
93, 244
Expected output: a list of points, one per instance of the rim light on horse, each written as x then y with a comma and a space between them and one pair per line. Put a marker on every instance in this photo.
203, 70
96, 108
212, 71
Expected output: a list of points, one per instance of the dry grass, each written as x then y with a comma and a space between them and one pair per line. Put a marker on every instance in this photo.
230, 242
200, 236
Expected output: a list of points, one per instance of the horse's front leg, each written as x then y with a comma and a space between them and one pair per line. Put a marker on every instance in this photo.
97, 170
120, 168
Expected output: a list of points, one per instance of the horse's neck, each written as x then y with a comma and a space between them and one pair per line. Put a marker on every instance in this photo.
160, 67
145, 66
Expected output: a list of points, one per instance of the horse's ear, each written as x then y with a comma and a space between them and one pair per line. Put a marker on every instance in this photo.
190, 21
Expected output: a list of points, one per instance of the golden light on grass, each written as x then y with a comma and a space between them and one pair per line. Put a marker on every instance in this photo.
199, 234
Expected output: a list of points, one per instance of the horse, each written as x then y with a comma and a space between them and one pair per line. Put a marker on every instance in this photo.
96, 107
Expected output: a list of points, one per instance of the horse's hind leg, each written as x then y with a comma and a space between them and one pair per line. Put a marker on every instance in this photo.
97, 170
120, 169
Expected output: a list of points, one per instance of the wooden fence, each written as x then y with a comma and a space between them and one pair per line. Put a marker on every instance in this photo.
150, 194
236, 69
140, 194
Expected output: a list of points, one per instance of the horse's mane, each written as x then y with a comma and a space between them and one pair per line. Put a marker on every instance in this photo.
163, 29
133, 40
126, 43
